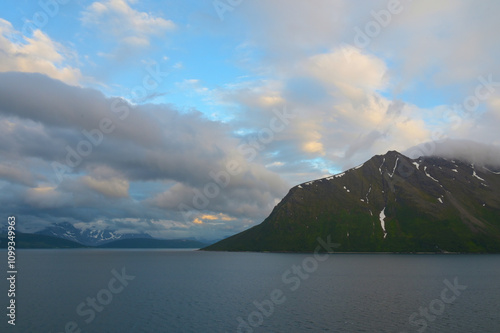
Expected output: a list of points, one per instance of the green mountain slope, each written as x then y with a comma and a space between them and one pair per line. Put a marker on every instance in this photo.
425, 205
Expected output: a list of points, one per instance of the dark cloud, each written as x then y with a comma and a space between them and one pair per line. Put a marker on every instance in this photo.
17, 175
148, 144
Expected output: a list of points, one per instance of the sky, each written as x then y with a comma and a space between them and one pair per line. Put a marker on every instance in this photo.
194, 118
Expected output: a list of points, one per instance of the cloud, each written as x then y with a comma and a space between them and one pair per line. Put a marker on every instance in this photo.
445, 44
45, 198
363, 142
131, 27
153, 159
353, 101
348, 69
248, 194
342, 118
212, 219
466, 150
17, 174
439, 46
349, 103
36, 54
114, 187
74, 108
288, 30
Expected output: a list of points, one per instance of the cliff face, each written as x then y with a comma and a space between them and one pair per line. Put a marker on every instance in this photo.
390, 203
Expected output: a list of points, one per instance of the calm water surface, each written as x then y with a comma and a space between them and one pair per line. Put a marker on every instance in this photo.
190, 291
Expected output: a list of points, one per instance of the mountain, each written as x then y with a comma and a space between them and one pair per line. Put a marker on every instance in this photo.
66, 235
148, 243
90, 237
34, 241
391, 203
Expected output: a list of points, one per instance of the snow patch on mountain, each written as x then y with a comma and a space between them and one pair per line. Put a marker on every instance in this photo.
382, 221
428, 175
395, 166
474, 174
366, 196
359, 166
380, 167
496, 173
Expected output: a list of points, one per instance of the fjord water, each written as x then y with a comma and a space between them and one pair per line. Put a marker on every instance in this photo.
193, 291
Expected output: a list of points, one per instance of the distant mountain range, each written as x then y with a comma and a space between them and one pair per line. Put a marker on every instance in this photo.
391, 203
151, 243
90, 237
65, 235
34, 241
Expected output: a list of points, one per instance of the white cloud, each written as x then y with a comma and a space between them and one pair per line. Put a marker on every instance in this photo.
348, 69
288, 30
38, 54
349, 97
342, 116
441, 45
120, 20
470, 151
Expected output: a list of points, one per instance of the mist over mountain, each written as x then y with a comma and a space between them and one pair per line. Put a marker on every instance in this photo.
465, 150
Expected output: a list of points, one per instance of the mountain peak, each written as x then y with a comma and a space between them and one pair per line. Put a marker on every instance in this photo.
392, 152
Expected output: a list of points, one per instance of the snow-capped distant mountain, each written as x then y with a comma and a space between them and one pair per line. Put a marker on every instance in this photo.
89, 236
